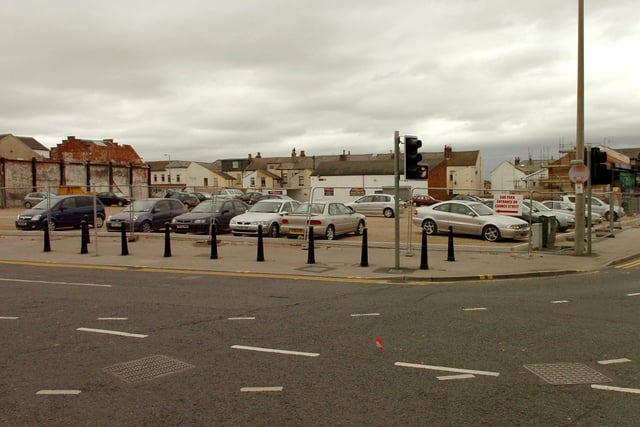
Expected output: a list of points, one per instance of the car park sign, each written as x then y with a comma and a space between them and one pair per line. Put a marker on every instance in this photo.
508, 204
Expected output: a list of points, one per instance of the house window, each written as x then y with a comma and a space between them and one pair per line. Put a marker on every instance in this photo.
272, 166
263, 182
215, 182
155, 177
205, 182
285, 179
178, 178
235, 164
162, 177
253, 182
239, 180
301, 180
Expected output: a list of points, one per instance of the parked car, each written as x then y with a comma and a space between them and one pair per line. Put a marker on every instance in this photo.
375, 204
329, 219
468, 197
268, 213
559, 205
251, 197
190, 200
199, 220
531, 216
33, 199
598, 206
62, 212
564, 219
422, 200
109, 198
469, 217
147, 215
227, 193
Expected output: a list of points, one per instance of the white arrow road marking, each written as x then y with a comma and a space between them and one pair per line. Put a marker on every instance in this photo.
446, 369
273, 350
46, 282
105, 331
620, 389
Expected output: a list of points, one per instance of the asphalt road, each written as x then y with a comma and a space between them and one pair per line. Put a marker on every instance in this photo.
238, 351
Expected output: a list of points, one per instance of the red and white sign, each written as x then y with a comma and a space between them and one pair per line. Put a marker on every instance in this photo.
579, 173
508, 204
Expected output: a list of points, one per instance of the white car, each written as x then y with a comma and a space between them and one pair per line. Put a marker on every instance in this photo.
599, 207
375, 204
469, 217
328, 219
559, 205
227, 193
268, 213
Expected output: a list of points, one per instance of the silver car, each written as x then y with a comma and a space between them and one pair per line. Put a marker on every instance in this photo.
469, 217
564, 219
267, 212
559, 205
375, 204
328, 220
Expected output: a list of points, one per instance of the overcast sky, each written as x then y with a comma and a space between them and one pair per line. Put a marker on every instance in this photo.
207, 79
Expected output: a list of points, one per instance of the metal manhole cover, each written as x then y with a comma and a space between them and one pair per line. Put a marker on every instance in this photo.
567, 373
147, 368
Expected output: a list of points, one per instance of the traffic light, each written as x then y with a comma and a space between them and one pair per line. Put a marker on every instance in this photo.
599, 172
412, 159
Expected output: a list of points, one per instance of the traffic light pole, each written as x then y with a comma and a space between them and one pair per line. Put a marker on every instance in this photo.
580, 200
396, 217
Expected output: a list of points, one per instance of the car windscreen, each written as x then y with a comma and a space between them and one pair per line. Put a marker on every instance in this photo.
208, 206
316, 208
266, 207
45, 204
140, 206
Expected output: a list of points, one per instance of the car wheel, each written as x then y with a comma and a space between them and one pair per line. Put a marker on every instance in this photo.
99, 221
491, 233
274, 230
430, 226
27, 205
120, 203
145, 227
360, 228
330, 233
51, 224
606, 216
388, 213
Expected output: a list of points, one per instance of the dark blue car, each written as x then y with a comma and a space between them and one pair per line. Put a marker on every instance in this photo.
62, 212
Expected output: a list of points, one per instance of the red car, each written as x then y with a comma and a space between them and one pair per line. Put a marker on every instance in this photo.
422, 200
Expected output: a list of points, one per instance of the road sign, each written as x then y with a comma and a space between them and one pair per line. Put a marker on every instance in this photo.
579, 173
508, 204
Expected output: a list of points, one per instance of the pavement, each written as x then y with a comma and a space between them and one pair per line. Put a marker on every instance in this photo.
328, 260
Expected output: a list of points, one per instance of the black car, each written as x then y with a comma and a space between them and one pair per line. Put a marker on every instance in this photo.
199, 219
190, 200
62, 212
108, 198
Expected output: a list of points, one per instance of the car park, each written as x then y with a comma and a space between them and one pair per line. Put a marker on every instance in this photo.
58, 212
146, 215
109, 198
328, 219
598, 206
34, 198
564, 206
471, 218
375, 204
190, 200
218, 212
267, 213
422, 200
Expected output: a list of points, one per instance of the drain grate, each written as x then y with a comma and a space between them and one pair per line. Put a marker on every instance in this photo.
567, 373
147, 368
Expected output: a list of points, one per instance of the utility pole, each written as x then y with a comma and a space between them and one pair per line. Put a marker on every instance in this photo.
580, 200
396, 217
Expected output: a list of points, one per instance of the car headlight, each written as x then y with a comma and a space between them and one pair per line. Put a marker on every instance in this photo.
513, 226
201, 221
262, 223
173, 221
36, 217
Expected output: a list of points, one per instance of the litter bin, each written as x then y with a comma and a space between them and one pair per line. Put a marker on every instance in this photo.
549, 228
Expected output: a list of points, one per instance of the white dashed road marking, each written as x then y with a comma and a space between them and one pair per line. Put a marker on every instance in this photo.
113, 318
612, 361
58, 392
456, 377
241, 318
474, 309
260, 389
273, 350
564, 301
105, 331
46, 282
620, 389
9, 318
446, 369
634, 295
364, 314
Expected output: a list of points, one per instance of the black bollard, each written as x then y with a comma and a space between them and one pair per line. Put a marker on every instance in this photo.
88, 236
214, 242
364, 257
47, 240
84, 231
167, 240
424, 257
311, 255
260, 247
123, 240
450, 256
